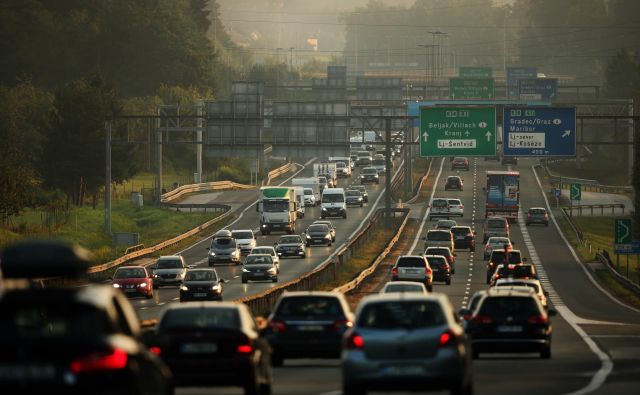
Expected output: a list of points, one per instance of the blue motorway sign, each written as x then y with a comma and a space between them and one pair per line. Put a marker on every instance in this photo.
538, 89
539, 131
632, 248
516, 73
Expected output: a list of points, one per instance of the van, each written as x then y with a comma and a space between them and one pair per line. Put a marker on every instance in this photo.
364, 159
439, 208
495, 226
333, 203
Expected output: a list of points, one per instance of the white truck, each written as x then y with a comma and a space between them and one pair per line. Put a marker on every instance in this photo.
343, 171
300, 201
333, 203
277, 209
309, 182
327, 170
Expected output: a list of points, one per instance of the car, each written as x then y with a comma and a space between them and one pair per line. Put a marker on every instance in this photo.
460, 163
342, 169
495, 227
406, 342
455, 207
369, 175
439, 208
169, 270
403, 287
201, 284
318, 234
445, 224
439, 238
66, 339
454, 183
363, 158
537, 215
353, 197
267, 250
322, 180
133, 281
440, 267
498, 257
445, 252
223, 248
309, 198
214, 344
509, 160
466, 312
496, 242
464, 237
246, 240
308, 324
332, 228
259, 267
510, 321
290, 245
380, 164
532, 283
363, 192
413, 268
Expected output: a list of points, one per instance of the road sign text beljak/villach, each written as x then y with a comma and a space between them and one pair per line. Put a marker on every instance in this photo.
462, 131
539, 131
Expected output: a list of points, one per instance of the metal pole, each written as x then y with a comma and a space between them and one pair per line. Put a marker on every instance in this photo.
631, 140
387, 181
158, 162
107, 180
199, 144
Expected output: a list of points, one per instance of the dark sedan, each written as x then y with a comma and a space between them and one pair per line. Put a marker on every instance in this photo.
353, 198
453, 183
363, 192
464, 237
318, 234
259, 267
214, 344
369, 175
290, 246
537, 215
460, 163
201, 284
440, 268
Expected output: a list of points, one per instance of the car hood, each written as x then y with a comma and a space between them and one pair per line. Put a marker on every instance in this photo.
200, 283
318, 234
255, 267
244, 241
168, 271
223, 250
289, 245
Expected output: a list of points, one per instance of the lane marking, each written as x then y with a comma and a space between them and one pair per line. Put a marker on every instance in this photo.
426, 215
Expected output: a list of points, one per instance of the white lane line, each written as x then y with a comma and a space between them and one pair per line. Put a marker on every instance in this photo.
426, 214
175, 299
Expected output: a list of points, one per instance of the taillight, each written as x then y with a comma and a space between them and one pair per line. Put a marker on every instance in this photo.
529, 215
446, 339
116, 359
428, 271
394, 271
462, 206
482, 319
277, 326
538, 319
244, 349
155, 350
342, 325
354, 342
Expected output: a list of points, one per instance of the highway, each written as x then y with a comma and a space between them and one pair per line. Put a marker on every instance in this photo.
595, 337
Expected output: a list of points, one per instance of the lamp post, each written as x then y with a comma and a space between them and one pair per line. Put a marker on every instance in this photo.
426, 64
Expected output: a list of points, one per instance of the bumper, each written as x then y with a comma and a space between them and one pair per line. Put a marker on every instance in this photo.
314, 241
193, 296
306, 348
441, 277
223, 258
333, 213
137, 291
211, 371
354, 202
369, 180
490, 345
254, 276
290, 253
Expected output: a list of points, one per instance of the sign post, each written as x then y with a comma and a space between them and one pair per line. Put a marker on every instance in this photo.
457, 131
539, 131
470, 88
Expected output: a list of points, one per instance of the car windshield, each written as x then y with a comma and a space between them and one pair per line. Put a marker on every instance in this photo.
322, 180
129, 273
308, 191
538, 211
400, 288
258, 260
200, 318
169, 264
290, 240
533, 286
262, 250
318, 228
353, 193
446, 224
438, 236
310, 307
201, 275
379, 162
224, 242
499, 257
275, 206
332, 198
453, 179
242, 235
502, 307
454, 202
438, 251
499, 242
495, 223
460, 230
340, 165
369, 170
410, 262
406, 314
436, 261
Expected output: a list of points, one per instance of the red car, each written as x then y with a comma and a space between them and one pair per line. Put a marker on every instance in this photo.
133, 281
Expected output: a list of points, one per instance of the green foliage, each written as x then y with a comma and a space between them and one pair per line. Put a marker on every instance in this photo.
622, 77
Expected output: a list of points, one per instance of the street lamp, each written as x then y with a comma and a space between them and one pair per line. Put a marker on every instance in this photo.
426, 63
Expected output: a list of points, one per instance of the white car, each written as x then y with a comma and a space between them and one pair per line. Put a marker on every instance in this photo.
309, 197
269, 251
403, 287
455, 207
531, 283
496, 243
246, 240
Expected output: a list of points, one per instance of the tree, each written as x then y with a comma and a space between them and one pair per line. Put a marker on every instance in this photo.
622, 77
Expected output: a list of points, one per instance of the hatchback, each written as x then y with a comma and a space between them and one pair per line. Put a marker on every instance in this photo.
369, 175
317, 234
453, 183
403, 286
495, 226
439, 208
169, 270
259, 267
440, 267
537, 215
445, 252
246, 240
455, 207
133, 281
498, 257
439, 238
290, 246
534, 284
496, 243
308, 325
460, 163
413, 268
406, 342
201, 284
464, 237
363, 192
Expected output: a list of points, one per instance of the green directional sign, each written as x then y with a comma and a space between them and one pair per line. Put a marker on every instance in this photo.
457, 131
624, 231
470, 88
475, 72
575, 193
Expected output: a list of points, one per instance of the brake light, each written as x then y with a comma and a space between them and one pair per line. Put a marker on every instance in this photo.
427, 271
538, 319
116, 359
446, 339
155, 350
482, 319
462, 206
245, 349
354, 342
394, 271
277, 326
342, 325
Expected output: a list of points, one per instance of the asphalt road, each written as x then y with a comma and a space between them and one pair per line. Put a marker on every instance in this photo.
596, 339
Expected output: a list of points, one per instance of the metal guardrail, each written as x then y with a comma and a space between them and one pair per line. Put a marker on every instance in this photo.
279, 171
134, 248
214, 207
205, 186
605, 259
591, 207
574, 226
587, 185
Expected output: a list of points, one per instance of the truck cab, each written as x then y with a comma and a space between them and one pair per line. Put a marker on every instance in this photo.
333, 203
277, 209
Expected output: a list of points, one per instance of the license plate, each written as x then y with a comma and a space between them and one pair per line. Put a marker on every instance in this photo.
460, 237
130, 290
310, 328
509, 329
199, 348
276, 226
27, 372
199, 295
403, 370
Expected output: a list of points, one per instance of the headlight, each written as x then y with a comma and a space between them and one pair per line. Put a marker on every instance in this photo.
116, 285
216, 288
184, 288
245, 270
272, 270
308, 237
211, 253
142, 285
327, 236
235, 253
324, 209
264, 225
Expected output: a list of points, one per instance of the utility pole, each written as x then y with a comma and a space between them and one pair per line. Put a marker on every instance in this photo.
158, 161
426, 65
387, 181
199, 128
107, 179
291, 58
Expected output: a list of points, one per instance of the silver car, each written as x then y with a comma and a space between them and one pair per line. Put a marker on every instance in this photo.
246, 240
403, 286
169, 270
406, 342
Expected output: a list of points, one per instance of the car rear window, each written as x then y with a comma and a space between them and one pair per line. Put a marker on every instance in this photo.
499, 257
393, 288
243, 235
437, 251
200, 318
436, 261
438, 236
407, 314
495, 223
455, 202
537, 211
410, 262
503, 306
460, 231
169, 264
310, 307
440, 203
518, 283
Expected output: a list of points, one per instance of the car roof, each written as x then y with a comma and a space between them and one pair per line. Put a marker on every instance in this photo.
172, 257
294, 294
401, 296
260, 255
256, 247
411, 256
131, 267
435, 256
438, 231
509, 291
241, 230
417, 284
461, 226
203, 305
450, 177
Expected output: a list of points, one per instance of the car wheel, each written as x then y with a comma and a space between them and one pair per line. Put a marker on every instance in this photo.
448, 282
488, 277
303, 256
351, 389
274, 280
244, 280
429, 287
329, 245
546, 352
276, 360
